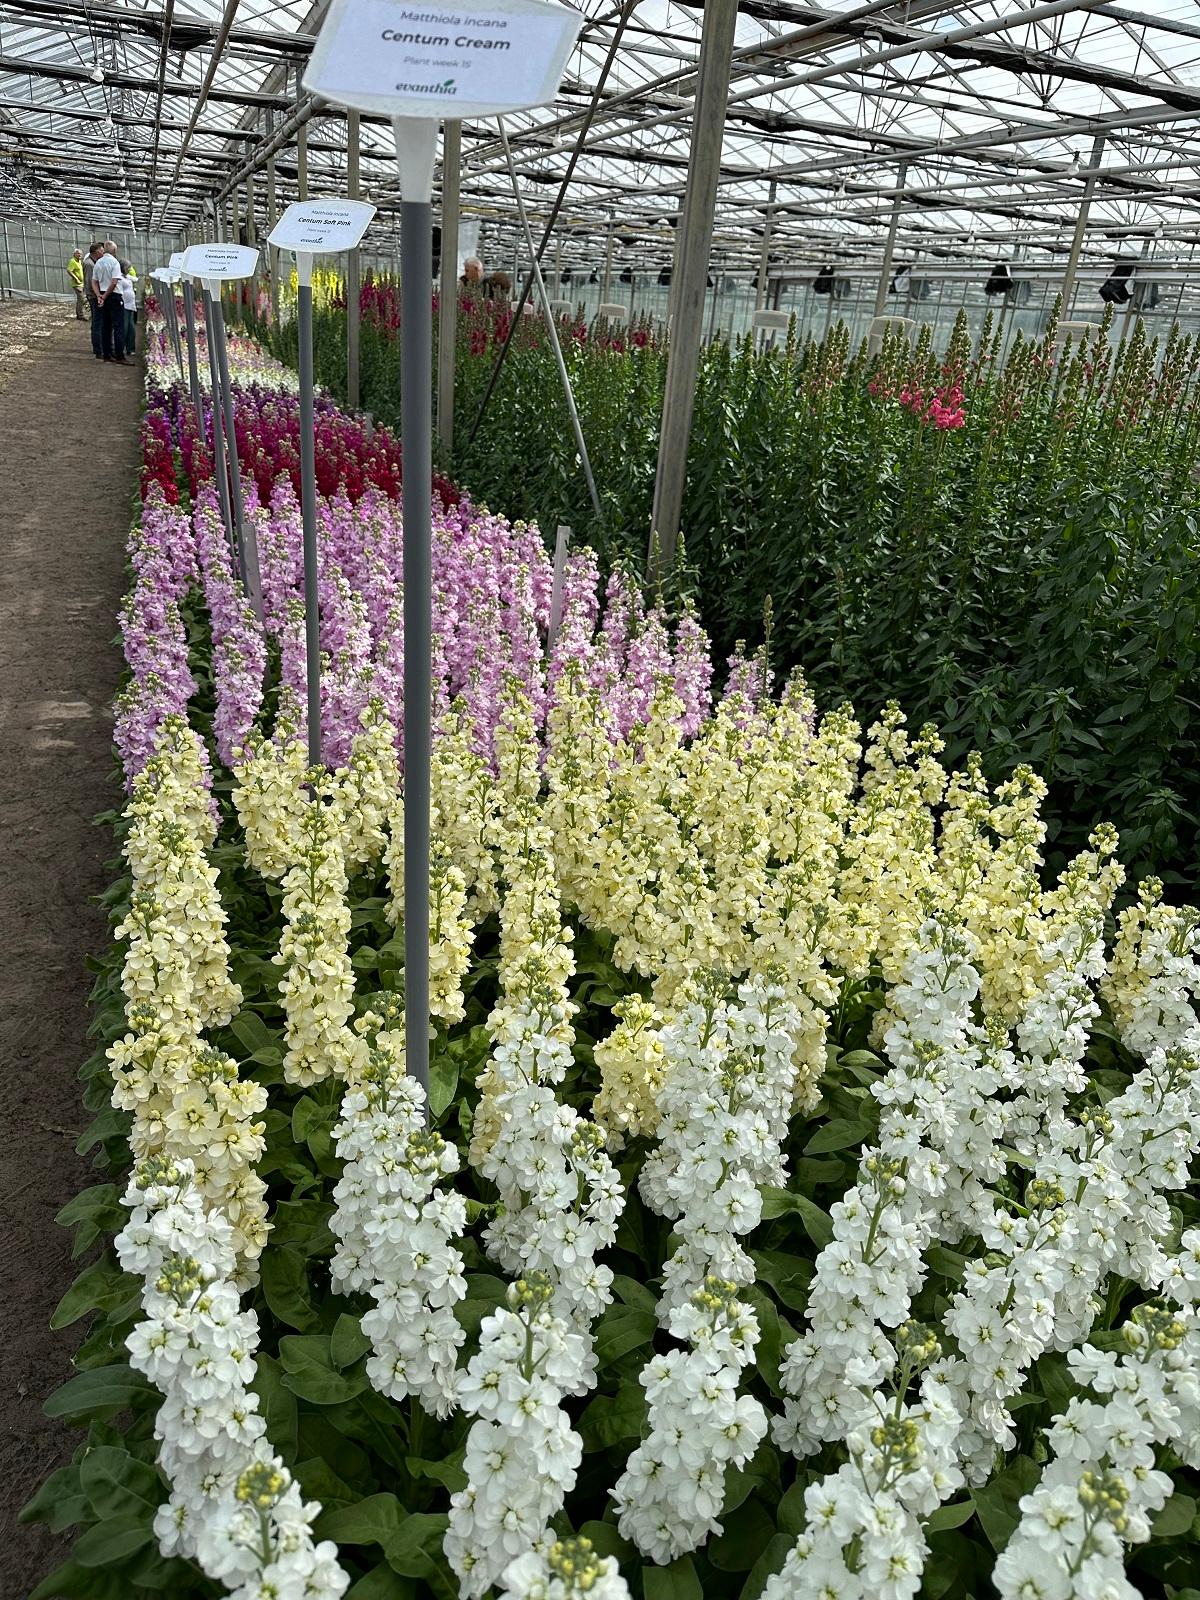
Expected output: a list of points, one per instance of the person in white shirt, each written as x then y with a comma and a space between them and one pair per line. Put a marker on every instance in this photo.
127, 285
112, 307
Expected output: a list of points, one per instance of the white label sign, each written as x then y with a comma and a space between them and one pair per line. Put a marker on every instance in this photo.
176, 261
410, 59
322, 227
220, 261
166, 274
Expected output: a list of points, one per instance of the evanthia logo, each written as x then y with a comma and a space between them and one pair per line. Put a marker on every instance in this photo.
448, 86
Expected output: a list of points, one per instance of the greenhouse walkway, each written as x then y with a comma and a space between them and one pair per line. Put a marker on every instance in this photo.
68, 469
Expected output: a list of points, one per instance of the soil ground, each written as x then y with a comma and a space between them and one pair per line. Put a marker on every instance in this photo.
68, 472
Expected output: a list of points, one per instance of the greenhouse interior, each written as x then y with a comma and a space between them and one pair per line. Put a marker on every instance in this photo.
604, 995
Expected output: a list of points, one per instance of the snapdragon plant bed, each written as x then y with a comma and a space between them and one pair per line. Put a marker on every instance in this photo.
801, 1202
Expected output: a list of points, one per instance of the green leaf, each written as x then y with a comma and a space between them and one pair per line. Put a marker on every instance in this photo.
840, 1133
374, 1520
770, 1562
443, 1083
449, 1473
252, 1033
113, 1540
117, 1483
632, 1293
607, 1541
303, 1225
1175, 1518
383, 1583
416, 1547
773, 1335
788, 1275
74, 1581
285, 1288
746, 1532
60, 1502
951, 1516
783, 1202
277, 1406
676, 1582
790, 1513
997, 1502
621, 1330
611, 1419
949, 1263
308, 1371
102, 1286
348, 1343
100, 1392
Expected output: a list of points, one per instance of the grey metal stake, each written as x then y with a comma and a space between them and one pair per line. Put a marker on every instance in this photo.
416, 451
548, 315
218, 427
562, 546
189, 320
247, 545
308, 507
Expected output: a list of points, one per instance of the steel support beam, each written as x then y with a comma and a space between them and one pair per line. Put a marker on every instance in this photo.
695, 237
448, 284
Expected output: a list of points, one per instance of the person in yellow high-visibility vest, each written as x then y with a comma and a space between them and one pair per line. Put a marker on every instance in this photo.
75, 273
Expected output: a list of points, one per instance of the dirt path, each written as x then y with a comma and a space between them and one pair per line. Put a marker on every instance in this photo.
65, 504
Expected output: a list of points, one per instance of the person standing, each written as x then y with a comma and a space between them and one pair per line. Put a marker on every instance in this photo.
112, 307
75, 273
89, 267
125, 284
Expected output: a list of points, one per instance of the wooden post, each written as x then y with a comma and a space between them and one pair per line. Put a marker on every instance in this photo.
353, 275
448, 284
695, 227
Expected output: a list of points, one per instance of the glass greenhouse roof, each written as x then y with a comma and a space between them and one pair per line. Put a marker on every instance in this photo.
977, 127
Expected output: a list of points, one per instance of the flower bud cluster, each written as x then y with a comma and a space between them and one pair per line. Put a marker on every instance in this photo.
269, 795
317, 986
723, 1107
1102, 1488
560, 1195
564, 1570
177, 962
632, 1063
522, 1454
669, 1497
395, 1223
935, 1144
233, 1507
239, 657
186, 1099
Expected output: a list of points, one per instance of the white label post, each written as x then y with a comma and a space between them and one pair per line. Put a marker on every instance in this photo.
309, 228
214, 264
418, 62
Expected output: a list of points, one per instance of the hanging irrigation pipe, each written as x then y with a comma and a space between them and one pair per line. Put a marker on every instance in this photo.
626, 12
536, 271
